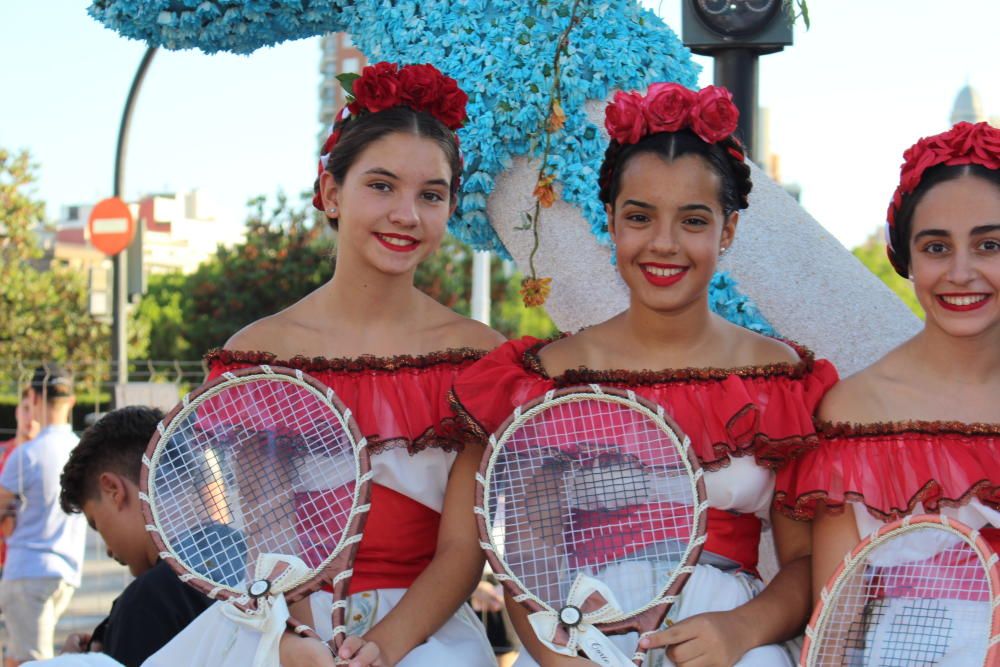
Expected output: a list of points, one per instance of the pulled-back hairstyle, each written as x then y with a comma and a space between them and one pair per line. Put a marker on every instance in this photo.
115, 443
734, 174
357, 133
902, 229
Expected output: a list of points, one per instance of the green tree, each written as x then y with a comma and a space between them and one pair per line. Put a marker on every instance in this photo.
872, 255
44, 310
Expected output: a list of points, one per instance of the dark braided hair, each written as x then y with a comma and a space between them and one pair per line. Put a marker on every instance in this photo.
734, 174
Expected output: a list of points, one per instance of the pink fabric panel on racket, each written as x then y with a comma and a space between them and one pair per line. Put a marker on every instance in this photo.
922, 579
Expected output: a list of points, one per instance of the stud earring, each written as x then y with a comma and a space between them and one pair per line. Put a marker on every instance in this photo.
723, 250
331, 211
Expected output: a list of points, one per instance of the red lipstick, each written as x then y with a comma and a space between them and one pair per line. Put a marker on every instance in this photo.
676, 274
411, 243
983, 299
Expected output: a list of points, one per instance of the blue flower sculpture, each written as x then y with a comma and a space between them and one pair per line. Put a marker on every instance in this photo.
501, 53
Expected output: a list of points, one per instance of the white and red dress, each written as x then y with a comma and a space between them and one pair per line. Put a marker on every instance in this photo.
744, 423
885, 471
401, 406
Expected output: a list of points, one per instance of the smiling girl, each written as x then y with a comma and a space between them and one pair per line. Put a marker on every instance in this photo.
919, 430
673, 182
388, 183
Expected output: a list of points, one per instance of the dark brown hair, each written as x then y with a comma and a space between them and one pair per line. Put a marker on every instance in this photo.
359, 132
734, 175
115, 443
902, 229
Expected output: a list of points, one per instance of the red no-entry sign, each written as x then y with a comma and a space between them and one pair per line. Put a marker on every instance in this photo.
111, 226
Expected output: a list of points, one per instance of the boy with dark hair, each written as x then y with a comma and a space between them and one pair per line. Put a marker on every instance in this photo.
101, 480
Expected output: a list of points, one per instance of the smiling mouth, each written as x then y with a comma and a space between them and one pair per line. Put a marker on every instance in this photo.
397, 242
663, 275
961, 302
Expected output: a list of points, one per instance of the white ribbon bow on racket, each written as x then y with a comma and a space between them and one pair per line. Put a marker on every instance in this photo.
571, 629
271, 614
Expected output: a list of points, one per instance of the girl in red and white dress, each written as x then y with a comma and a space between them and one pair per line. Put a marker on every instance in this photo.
388, 183
919, 430
673, 181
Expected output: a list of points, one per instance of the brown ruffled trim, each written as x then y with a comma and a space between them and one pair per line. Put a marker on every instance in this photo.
449, 435
469, 423
366, 362
769, 453
574, 376
849, 430
804, 508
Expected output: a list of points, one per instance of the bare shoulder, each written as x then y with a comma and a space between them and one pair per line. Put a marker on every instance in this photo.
260, 335
466, 332
581, 350
451, 330
855, 399
755, 349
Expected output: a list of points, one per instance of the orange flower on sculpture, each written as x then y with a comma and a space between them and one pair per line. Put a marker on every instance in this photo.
544, 192
557, 118
534, 291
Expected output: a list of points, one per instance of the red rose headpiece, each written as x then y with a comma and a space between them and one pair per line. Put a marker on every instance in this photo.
385, 85
670, 107
966, 143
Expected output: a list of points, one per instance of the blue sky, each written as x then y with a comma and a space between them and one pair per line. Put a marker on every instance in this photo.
867, 80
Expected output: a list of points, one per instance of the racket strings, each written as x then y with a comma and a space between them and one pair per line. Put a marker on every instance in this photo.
904, 608
260, 467
593, 487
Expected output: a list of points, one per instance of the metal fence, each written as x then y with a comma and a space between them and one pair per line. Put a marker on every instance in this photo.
95, 384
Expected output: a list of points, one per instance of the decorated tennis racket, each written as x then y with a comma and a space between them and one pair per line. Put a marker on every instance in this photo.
257, 485
592, 512
921, 591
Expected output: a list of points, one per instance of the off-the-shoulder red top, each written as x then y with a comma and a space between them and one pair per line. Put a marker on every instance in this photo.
760, 411
891, 467
401, 406
764, 412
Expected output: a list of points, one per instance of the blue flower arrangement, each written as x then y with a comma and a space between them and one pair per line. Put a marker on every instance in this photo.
500, 52
725, 300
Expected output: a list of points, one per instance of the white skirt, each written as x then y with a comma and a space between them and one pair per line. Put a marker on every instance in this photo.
708, 589
460, 641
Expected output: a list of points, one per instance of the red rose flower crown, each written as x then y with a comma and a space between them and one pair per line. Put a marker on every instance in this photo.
965, 143
670, 107
385, 85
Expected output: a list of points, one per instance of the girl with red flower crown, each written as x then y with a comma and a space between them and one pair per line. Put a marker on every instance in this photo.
919, 430
388, 182
673, 182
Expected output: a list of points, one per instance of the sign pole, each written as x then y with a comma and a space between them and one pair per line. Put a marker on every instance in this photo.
119, 342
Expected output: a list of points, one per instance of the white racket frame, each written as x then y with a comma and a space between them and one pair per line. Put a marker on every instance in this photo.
988, 559
293, 589
656, 413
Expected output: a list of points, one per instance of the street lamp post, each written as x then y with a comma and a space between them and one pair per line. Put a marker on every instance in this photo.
119, 341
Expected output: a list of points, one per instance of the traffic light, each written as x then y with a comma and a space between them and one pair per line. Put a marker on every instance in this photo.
736, 33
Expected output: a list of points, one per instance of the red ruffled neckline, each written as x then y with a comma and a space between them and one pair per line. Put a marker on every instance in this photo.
583, 375
366, 362
890, 467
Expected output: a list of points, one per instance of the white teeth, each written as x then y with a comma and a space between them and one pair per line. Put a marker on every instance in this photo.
657, 271
392, 240
964, 300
